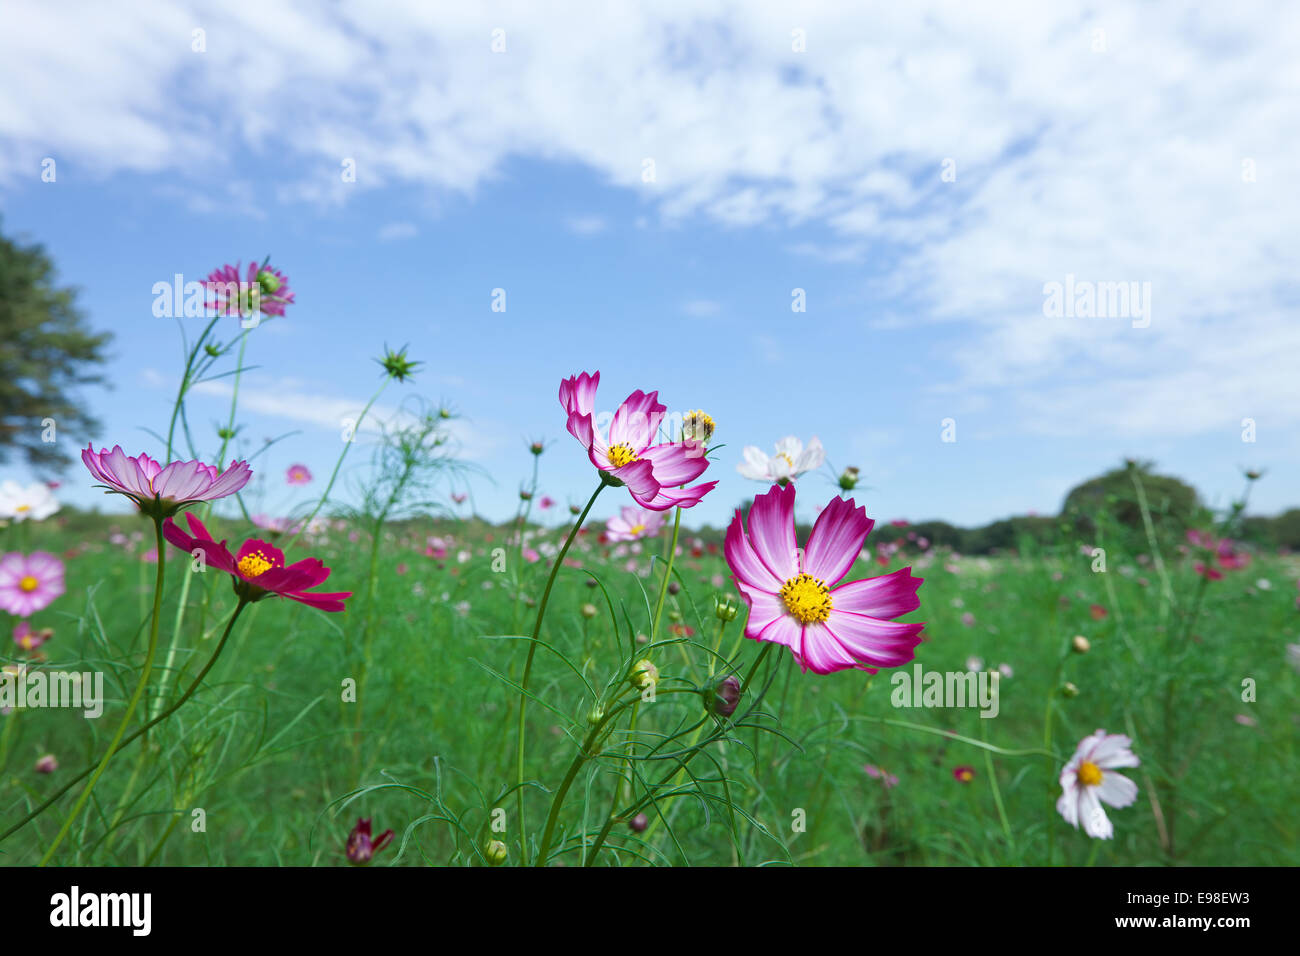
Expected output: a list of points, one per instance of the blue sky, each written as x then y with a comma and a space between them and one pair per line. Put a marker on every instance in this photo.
1118, 156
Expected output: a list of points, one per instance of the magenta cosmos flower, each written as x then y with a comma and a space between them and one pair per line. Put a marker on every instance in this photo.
792, 594
632, 524
262, 289
654, 474
163, 490
258, 568
1089, 780
29, 582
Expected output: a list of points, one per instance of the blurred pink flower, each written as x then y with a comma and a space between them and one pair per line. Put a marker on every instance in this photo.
29, 582
297, 475
633, 523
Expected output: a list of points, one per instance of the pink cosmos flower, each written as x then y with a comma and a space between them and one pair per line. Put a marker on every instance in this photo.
632, 524
653, 474
793, 596
258, 569
297, 475
1089, 780
546, 503
163, 490
263, 289
29, 639
887, 780
29, 582
1230, 559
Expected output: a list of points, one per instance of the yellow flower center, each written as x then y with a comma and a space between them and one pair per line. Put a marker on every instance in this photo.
807, 599
28, 583
622, 454
637, 528
965, 776
788, 460
254, 564
21, 508
1089, 774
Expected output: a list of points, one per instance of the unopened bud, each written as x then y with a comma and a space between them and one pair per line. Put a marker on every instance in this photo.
496, 853
644, 675
725, 609
1080, 644
1069, 690
849, 479
638, 823
589, 611
725, 697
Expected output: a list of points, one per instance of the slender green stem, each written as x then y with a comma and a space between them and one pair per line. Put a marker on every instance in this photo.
337, 465
528, 665
686, 758
997, 791
170, 660
131, 704
136, 734
668, 573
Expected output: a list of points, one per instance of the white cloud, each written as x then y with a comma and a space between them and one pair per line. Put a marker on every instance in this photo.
395, 231
1119, 164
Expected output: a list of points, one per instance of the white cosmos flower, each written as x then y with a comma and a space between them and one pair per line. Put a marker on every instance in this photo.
790, 461
1089, 780
19, 503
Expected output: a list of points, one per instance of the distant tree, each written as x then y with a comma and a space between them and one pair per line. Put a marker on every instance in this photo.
46, 352
1174, 505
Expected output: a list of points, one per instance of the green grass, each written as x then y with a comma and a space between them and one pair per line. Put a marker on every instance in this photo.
281, 765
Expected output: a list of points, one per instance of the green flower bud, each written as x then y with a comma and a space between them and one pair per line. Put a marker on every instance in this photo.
496, 853
644, 675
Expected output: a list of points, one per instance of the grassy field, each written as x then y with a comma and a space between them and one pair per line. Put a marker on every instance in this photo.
275, 757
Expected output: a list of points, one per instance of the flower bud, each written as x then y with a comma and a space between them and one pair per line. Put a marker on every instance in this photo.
596, 714
644, 675
47, 764
674, 587
589, 611
697, 427
725, 609
725, 696
496, 853
849, 479
1080, 644
361, 848
537, 448
1069, 690
638, 823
